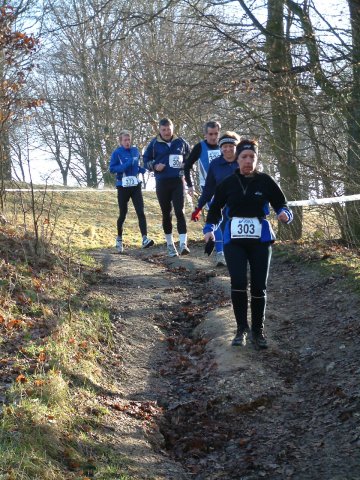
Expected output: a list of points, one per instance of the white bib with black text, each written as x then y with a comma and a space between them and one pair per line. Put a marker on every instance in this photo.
242, 227
129, 181
175, 161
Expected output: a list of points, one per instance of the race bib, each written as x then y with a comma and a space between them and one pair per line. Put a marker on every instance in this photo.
213, 154
129, 181
245, 227
175, 161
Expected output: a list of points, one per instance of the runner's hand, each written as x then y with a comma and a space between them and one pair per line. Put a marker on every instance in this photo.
209, 236
282, 217
159, 167
190, 191
195, 216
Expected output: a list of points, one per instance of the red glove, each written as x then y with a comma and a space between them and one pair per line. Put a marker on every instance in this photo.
195, 216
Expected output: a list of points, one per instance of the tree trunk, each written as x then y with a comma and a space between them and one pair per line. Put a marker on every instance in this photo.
5, 158
353, 157
283, 110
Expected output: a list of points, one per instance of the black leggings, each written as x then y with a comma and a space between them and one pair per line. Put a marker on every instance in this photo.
124, 195
170, 192
258, 255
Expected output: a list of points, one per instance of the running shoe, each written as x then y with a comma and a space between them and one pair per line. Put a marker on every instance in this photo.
119, 245
258, 339
147, 242
240, 339
172, 252
220, 259
184, 249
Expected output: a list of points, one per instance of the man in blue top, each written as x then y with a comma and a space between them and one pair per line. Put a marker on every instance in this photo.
204, 153
165, 156
124, 162
220, 168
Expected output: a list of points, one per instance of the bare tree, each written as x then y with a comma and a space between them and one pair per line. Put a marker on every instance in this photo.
16, 51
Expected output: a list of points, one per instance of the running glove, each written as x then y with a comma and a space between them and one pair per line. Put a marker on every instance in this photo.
209, 247
195, 216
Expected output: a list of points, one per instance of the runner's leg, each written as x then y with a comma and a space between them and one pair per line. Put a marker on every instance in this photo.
123, 199
138, 202
236, 259
259, 260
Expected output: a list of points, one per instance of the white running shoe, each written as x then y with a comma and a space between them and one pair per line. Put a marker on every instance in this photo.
172, 252
119, 245
184, 249
147, 242
220, 259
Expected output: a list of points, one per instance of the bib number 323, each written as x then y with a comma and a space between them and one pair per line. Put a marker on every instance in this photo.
245, 227
129, 181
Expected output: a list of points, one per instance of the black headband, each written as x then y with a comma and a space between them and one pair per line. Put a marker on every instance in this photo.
246, 146
227, 140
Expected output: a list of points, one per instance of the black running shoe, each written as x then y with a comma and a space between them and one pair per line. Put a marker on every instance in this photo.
258, 340
239, 339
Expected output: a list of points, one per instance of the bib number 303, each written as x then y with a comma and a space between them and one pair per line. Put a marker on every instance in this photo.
245, 227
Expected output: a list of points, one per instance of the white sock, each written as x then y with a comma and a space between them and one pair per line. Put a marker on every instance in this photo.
183, 238
169, 239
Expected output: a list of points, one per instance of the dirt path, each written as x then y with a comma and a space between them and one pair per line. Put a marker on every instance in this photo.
187, 405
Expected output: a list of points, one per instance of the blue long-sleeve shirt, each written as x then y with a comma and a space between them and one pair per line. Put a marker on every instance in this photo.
219, 169
125, 162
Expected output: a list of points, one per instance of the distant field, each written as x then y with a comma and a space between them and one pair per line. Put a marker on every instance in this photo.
88, 219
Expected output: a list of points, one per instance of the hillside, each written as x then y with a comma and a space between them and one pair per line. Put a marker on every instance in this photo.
120, 366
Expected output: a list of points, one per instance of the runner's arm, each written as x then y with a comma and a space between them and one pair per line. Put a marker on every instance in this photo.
148, 157
189, 162
115, 164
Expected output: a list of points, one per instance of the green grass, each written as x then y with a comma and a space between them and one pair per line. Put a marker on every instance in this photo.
87, 220
60, 332
328, 258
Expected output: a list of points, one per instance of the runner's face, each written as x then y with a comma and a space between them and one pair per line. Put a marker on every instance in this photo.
166, 132
212, 136
228, 150
247, 161
126, 141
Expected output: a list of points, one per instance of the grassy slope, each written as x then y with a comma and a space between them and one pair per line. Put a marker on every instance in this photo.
88, 219
52, 340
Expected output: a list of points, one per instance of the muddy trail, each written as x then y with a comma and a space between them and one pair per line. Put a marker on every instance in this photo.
188, 405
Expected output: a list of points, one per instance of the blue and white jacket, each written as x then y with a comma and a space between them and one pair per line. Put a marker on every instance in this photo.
125, 163
219, 169
247, 197
173, 154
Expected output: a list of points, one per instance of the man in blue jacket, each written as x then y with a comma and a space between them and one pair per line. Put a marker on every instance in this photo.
165, 156
124, 162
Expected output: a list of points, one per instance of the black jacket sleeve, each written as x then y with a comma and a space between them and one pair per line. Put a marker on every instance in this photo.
189, 162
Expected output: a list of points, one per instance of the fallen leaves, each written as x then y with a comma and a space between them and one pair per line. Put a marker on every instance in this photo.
21, 379
141, 410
